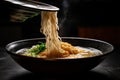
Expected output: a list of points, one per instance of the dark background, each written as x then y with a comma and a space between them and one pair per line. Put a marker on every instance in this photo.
97, 19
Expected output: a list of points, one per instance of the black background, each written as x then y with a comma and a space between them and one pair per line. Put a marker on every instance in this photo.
87, 13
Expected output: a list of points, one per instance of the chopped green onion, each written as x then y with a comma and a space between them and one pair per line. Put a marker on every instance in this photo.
34, 50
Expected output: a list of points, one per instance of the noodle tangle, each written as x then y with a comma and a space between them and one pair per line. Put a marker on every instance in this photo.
49, 27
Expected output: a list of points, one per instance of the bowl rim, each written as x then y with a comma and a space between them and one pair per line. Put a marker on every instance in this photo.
54, 59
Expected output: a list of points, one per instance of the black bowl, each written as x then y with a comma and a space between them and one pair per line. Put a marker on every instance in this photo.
56, 66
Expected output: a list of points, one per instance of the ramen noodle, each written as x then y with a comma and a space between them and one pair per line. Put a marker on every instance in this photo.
54, 47
49, 23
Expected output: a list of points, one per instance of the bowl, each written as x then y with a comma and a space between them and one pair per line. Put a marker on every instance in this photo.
59, 66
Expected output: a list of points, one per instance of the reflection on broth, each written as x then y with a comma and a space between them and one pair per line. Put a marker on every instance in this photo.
54, 47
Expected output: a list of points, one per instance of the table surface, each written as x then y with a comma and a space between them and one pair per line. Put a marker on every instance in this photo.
109, 69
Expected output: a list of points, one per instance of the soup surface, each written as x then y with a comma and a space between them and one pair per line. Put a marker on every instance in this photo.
39, 51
